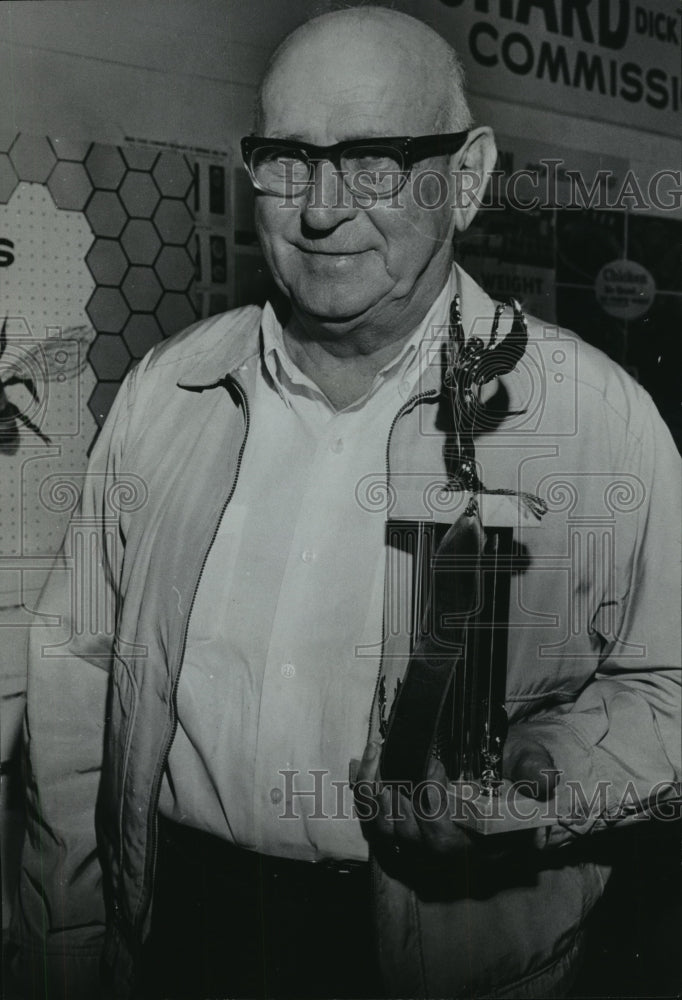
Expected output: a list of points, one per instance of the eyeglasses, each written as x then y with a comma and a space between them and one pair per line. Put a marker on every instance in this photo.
369, 167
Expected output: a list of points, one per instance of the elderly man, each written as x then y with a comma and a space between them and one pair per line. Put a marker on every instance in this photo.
238, 498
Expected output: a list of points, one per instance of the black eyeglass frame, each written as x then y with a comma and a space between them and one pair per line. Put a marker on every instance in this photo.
410, 150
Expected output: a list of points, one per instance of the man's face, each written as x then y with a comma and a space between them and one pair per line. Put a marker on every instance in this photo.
340, 262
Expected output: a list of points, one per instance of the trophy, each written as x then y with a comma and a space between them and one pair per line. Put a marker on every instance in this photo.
450, 702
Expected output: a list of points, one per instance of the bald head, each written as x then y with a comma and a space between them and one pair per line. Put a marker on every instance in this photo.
356, 267
370, 49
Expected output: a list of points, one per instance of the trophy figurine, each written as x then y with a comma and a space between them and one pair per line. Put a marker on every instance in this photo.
450, 702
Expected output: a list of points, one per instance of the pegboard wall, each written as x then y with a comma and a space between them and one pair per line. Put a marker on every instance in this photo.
104, 251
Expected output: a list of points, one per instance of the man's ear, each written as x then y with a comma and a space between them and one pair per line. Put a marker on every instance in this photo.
473, 165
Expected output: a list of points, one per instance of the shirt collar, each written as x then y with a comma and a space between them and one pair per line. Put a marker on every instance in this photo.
229, 340
408, 364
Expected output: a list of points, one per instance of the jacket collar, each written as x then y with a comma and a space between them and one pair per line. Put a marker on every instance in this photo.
229, 341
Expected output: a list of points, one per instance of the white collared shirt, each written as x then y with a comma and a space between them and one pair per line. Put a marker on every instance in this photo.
284, 640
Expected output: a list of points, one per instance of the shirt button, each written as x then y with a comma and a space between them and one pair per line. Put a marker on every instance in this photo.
308, 556
405, 388
337, 446
288, 670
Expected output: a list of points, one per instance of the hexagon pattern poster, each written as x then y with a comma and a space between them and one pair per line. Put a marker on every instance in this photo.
99, 257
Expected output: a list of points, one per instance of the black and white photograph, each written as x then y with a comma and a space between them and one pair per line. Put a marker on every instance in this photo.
340, 499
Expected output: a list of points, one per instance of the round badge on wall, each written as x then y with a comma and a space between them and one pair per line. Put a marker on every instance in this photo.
625, 289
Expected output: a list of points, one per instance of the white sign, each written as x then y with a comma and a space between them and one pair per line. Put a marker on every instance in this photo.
625, 289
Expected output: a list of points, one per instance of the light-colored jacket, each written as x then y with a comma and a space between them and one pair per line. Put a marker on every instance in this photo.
592, 668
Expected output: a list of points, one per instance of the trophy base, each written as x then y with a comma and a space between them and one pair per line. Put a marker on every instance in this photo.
506, 810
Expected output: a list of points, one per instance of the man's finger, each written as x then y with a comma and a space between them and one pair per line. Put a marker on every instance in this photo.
432, 807
405, 827
535, 767
369, 765
383, 824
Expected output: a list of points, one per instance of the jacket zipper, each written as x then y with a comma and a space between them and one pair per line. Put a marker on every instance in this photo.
407, 405
154, 825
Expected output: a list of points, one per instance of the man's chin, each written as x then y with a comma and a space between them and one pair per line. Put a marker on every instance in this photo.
334, 320
336, 306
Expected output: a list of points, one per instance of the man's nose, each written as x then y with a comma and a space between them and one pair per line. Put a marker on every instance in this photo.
327, 200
